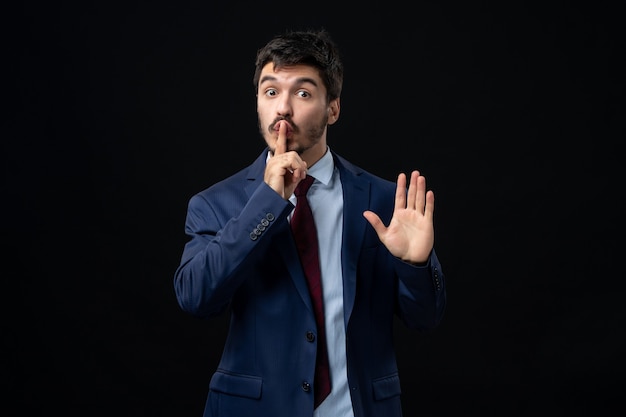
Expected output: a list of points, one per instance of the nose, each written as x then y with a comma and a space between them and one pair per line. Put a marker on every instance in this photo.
283, 106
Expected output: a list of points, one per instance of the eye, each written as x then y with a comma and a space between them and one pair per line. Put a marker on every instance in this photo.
303, 94
270, 92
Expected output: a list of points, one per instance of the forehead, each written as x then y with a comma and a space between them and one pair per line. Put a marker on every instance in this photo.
291, 74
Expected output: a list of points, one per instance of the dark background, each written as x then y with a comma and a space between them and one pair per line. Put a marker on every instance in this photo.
514, 112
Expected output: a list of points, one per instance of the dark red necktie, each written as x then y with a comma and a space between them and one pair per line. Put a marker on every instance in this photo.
305, 234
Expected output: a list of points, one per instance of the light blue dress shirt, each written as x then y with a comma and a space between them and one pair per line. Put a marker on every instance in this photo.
326, 200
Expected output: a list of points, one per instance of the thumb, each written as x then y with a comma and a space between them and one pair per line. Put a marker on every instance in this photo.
375, 221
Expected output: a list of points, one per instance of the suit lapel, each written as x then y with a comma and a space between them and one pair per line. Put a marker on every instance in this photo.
289, 253
287, 247
356, 192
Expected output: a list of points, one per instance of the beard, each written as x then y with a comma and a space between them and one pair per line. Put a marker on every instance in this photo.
303, 138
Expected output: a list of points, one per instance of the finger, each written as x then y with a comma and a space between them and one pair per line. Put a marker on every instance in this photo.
430, 205
420, 193
300, 171
376, 222
297, 172
411, 198
401, 192
281, 141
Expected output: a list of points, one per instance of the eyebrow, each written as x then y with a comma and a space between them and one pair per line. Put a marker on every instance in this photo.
299, 81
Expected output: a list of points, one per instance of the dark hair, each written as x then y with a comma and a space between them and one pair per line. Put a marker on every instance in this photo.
308, 47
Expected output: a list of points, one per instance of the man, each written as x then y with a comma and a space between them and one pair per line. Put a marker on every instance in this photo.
242, 256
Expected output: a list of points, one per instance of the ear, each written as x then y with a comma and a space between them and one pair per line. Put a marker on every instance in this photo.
333, 111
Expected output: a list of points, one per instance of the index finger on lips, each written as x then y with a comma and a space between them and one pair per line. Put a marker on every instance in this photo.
281, 141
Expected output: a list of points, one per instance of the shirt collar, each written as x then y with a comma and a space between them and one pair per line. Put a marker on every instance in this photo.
322, 170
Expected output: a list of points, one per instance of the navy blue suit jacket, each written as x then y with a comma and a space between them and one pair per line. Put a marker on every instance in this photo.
241, 258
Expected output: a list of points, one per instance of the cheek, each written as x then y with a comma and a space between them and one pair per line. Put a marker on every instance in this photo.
263, 108
263, 117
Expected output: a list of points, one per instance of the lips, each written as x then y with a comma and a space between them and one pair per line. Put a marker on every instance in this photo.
287, 125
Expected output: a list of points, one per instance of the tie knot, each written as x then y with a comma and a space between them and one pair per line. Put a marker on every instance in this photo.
303, 186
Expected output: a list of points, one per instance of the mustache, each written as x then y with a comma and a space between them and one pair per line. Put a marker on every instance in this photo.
294, 127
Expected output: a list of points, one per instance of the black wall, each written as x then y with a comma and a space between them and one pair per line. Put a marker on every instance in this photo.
118, 114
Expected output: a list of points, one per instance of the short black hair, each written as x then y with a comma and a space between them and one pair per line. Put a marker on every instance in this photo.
306, 47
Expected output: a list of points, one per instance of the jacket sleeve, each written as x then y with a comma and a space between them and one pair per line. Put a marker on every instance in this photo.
421, 294
221, 243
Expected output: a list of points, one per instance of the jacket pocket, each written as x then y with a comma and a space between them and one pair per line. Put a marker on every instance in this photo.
386, 387
248, 386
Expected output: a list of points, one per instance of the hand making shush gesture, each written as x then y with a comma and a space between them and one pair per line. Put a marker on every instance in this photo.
284, 170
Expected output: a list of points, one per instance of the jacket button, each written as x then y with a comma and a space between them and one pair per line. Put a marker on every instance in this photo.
306, 387
310, 336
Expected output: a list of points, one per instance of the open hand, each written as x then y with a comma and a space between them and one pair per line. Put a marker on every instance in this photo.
410, 235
